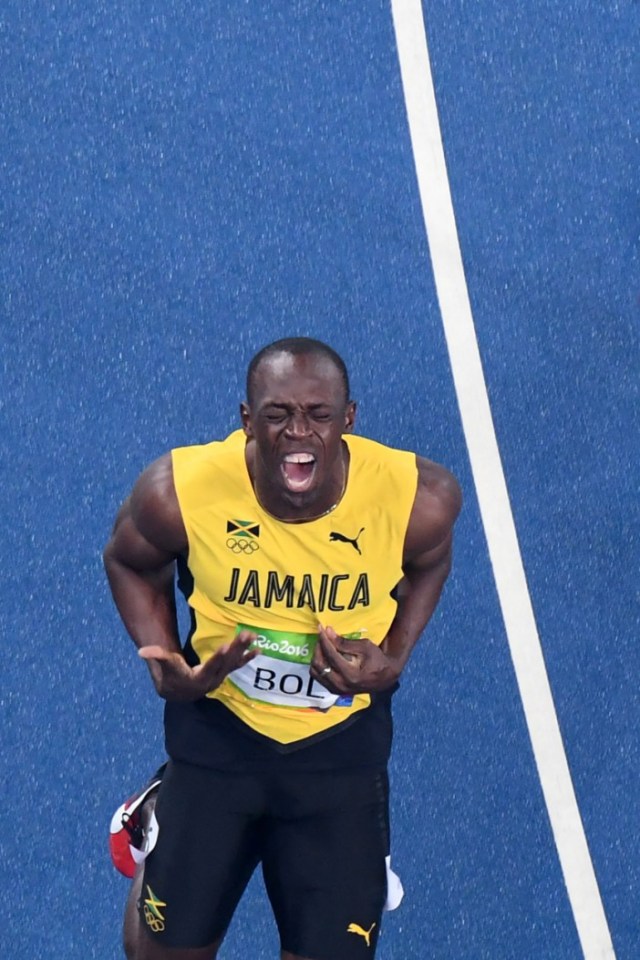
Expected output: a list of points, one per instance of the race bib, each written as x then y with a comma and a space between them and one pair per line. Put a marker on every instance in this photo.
280, 673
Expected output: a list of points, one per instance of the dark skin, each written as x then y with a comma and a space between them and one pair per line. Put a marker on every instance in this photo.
297, 412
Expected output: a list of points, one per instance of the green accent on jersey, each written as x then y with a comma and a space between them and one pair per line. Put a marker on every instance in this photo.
285, 645
282, 644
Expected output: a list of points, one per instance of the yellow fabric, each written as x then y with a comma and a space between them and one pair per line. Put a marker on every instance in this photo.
250, 568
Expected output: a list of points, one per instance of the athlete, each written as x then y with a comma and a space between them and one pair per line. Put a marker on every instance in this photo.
311, 560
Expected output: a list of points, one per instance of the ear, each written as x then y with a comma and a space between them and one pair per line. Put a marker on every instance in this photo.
245, 419
349, 417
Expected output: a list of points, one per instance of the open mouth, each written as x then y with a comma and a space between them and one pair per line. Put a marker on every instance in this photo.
298, 470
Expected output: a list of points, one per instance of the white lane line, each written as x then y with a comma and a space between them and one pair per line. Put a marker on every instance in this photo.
495, 509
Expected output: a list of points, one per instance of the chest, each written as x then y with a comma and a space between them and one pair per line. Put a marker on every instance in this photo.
246, 559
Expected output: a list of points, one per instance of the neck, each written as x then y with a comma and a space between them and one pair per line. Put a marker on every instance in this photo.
291, 512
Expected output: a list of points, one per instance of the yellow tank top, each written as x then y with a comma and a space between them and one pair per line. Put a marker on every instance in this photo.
281, 580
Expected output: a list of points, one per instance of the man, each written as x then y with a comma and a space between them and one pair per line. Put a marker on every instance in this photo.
311, 560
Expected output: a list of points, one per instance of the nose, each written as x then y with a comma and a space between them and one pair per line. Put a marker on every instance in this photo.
298, 425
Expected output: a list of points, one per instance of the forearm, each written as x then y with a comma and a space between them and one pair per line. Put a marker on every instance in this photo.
415, 609
146, 603
359, 666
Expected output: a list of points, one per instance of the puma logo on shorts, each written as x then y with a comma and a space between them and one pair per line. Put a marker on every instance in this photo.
366, 934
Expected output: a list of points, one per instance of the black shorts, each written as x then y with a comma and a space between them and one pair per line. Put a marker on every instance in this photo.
321, 838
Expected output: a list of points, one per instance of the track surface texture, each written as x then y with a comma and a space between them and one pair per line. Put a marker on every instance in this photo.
181, 183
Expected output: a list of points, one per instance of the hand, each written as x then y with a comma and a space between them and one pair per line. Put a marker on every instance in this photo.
174, 679
357, 666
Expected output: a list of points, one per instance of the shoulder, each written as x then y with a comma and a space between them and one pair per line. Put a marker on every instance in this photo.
437, 483
379, 459
435, 509
196, 463
154, 507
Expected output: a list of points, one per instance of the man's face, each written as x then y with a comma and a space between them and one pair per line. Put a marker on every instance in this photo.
297, 417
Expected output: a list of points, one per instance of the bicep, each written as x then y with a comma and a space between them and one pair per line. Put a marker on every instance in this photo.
129, 547
149, 532
429, 538
434, 562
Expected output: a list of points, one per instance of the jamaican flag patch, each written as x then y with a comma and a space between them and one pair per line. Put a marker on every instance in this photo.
243, 536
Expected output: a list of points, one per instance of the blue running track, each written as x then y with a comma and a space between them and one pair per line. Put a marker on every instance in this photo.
181, 183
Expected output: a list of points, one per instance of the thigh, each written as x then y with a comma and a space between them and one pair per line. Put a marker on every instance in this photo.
324, 863
207, 848
138, 945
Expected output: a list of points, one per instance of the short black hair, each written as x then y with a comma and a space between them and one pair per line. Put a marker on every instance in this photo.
297, 346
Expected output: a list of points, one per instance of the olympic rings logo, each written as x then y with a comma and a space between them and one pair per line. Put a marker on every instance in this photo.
153, 922
242, 545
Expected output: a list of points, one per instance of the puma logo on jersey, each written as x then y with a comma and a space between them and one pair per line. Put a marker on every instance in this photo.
340, 536
356, 928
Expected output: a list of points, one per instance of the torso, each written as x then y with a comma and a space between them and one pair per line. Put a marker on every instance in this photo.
247, 568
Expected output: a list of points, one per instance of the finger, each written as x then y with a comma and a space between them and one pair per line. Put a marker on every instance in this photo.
331, 655
340, 667
325, 641
345, 646
332, 681
242, 648
328, 667
318, 660
228, 658
350, 649
155, 652
243, 640
327, 635
236, 656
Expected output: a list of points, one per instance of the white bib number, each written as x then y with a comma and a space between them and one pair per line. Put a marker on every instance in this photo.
281, 682
280, 673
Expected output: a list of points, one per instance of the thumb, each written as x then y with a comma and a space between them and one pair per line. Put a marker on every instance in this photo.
331, 634
155, 652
